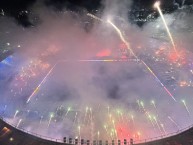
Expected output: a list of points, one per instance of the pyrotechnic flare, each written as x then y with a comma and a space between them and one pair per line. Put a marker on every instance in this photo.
122, 38
16, 112
155, 119
153, 103
98, 135
148, 68
168, 92
151, 120
41, 119
157, 5
108, 109
91, 117
86, 111
19, 123
108, 60
105, 127
132, 118
75, 117
95, 17
67, 111
172, 120
163, 128
51, 116
79, 132
142, 105
38, 87
184, 102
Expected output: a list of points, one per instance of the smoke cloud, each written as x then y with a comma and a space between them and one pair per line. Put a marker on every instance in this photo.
82, 98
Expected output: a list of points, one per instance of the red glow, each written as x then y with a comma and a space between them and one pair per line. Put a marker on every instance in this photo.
104, 53
124, 57
177, 57
123, 46
173, 57
160, 51
122, 131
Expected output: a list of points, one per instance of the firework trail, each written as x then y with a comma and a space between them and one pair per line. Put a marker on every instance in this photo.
51, 116
79, 132
184, 103
67, 111
16, 112
157, 5
41, 119
148, 68
98, 135
86, 111
122, 38
173, 122
95, 17
133, 121
38, 87
156, 122
151, 120
75, 117
163, 128
153, 103
20, 120
168, 92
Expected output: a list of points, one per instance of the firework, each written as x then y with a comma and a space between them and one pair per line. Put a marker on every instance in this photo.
157, 5
95, 17
167, 91
122, 38
50, 118
151, 120
16, 112
148, 68
19, 122
114, 119
98, 135
41, 119
67, 111
184, 103
38, 87
172, 120
163, 128
79, 132
75, 117
153, 103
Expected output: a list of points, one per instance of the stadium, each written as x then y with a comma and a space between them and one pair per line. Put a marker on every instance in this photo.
100, 72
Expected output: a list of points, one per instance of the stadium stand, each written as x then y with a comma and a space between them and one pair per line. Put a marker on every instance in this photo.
9, 135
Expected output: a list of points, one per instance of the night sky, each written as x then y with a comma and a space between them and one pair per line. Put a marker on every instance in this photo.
15, 8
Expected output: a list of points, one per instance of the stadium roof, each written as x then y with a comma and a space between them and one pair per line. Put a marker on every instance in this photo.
9, 135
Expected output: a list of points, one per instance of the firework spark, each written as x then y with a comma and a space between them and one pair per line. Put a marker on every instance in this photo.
147, 67
38, 87
157, 5
184, 103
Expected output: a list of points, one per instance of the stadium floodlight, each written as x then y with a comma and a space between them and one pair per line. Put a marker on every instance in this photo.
70, 140
94, 142
76, 141
113, 142
106, 142
65, 140
82, 141
100, 142
119, 142
131, 141
88, 142
125, 141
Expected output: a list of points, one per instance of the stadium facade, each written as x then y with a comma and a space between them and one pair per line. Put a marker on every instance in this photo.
10, 135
